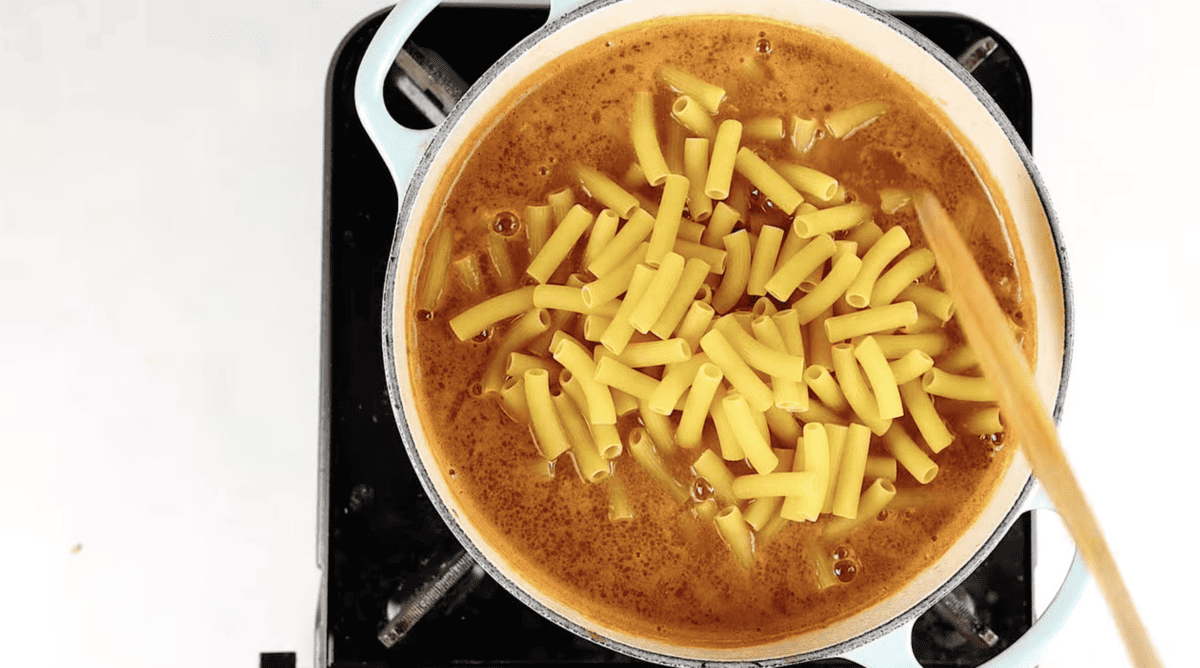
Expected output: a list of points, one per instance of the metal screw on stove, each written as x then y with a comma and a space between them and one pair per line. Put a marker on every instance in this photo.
978, 52
958, 608
413, 608
428, 81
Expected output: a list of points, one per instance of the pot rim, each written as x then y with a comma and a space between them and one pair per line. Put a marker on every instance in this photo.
408, 199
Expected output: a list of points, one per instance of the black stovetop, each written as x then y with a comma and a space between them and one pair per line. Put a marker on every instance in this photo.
379, 533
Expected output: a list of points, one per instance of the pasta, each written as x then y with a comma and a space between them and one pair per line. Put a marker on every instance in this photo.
692, 278
606, 191
675, 381
870, 321
808, 180
908, 269
523, 330
833, 286
539, 220
852, 472
767, 180
641, 448
590, 465
854, 387
490, 311
694, 117
788, 484
925, 415
618, 333
666, 222
613, 284
891, 244
695, 168
708, 95
870, 504
737, 271
710, 467
812, 456
910, 455
560, 243
733, 528
912, 365
879, 375
803, 134
762, 265
628, 238
721, 223
696, 408
551, 436
968, 388
847, 121
787, 278
737, 372
645, 140
724, 154
754, 445
439, 250
650, 307
830, 220
768, 128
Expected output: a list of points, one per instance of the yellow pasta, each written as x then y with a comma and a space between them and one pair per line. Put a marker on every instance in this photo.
655, 353
891, 244
690, 230
608, 440
618, 333
896, 346
767, 128
782, 425
839, 197
650, 307
695, 168
709, 96
983, 422
837, 440
673, 150
833, 219
468, 270
614, 374
628, 239
803, 134
925, 323
892, 200
870, 321
713, 257
588, 462
879, 466
818, 412
694, 117
812, 456
603, 231
548, 430
574, 357
911, 267
737, 271
645, 139
724, 154
612, 284
676, 380
710, 467
852, 471
523, 330
437, 264
720, 223
865, 235
789, 394
694, 272
756, 448
912, 365
561, 203
960, 360
605, 191
512, 399
641, 448
506, 275
822, 297
519, 363
666, 222
854, 387
490, 311
758, 355
788, 484
879, 375
845, 122
659, 427
623, 402
762, 264
872, 502
594, 326
787, 277
819, 346
826, 388
967, 388
619, 507
567, 298
929, 300
560, 243
767, 180
740, 375
695, 323
808, 180
706, 511
926, 417
696, 407
910, 455
733, 528
731, 447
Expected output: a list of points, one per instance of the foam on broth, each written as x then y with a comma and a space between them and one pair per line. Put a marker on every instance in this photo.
665, 574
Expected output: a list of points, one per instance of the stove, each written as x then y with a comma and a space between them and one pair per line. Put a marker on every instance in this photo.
380, 540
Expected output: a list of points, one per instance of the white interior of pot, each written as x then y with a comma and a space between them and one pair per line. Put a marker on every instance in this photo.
974, 122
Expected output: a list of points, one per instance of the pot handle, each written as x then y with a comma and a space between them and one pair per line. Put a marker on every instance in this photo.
895, 648
560, 7
400, 147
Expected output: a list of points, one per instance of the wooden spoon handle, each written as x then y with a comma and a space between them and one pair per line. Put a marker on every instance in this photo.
1027, 419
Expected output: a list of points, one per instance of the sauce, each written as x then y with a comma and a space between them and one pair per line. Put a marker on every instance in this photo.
666, 574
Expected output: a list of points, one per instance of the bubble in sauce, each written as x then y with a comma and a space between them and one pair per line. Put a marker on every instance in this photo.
482, 336
506, 223
763, 46
840, 553
702, 490
845, 570
424, 315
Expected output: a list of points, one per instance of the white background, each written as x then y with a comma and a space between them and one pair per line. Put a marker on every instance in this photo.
160, 254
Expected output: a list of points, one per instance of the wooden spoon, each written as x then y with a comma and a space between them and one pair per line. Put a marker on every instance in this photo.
1026, 417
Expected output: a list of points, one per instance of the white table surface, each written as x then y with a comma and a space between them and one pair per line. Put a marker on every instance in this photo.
160, 253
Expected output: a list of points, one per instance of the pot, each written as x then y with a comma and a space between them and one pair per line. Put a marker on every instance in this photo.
877, 635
